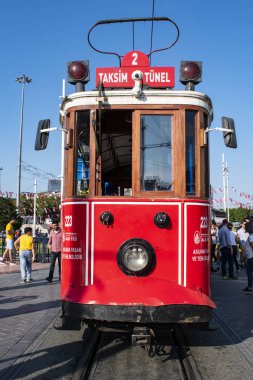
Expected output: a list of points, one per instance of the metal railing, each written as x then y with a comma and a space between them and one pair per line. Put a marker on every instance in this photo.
42, 253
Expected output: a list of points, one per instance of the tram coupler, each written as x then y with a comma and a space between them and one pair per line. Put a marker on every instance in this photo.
141, 336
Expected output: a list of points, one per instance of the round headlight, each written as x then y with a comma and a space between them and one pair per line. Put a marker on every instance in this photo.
78, 70
191, 70
162, 220
136, 257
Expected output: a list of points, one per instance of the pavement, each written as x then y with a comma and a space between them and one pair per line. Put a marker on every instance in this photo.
234, 307
225, 350
8, 269
31, 346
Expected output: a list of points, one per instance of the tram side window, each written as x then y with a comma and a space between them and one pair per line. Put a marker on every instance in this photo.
205, 160
190, 151
156, 157
83, 153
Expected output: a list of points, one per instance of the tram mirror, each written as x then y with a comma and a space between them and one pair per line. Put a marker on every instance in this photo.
42, 137
229, 132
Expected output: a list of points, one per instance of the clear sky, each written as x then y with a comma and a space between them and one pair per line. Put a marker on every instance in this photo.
38, 38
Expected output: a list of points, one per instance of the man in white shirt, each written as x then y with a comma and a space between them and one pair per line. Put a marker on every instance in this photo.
242, 237
249, 256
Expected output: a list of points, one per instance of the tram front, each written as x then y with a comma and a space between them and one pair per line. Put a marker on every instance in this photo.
136, 201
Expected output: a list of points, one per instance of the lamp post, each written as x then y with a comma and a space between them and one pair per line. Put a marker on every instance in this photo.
22, 80
1, 168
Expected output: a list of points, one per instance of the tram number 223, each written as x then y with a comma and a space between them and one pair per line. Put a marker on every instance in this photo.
203, 222
68, 220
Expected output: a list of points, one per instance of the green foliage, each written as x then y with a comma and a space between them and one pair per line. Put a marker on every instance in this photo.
46, 205
8, 212
238, 214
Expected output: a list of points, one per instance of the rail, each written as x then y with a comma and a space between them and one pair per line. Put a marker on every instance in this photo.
42, 253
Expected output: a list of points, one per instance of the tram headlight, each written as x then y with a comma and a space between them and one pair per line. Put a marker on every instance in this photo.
190, 73
106, 218
136, 257
78, 71
162, 220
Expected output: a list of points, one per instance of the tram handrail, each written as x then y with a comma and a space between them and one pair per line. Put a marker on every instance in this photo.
113, 21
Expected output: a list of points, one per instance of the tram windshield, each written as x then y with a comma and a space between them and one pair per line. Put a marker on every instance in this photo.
156, 173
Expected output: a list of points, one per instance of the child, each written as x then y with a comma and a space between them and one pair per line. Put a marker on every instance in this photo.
25, 245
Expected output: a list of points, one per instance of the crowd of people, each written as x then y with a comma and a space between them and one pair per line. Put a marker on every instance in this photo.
25, 245
232, 250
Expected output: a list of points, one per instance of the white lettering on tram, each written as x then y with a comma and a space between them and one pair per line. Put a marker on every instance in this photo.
152, 77
113, 77
120, 77
71, 257
72, 249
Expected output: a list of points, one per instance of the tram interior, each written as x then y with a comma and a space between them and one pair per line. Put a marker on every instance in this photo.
116, 152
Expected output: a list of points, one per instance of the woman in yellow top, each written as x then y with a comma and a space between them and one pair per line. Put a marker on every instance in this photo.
25, 245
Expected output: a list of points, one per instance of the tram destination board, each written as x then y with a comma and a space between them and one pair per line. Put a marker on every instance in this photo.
136, 62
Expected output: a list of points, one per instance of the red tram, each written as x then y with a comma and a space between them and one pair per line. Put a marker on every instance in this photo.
136, 207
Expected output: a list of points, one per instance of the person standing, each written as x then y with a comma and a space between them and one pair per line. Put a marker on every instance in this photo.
54, 244
25, 245
234, 246
9, 242
249, 256
214, 234
226, 251
242, 237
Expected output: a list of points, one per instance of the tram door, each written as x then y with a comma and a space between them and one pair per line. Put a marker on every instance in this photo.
116, 153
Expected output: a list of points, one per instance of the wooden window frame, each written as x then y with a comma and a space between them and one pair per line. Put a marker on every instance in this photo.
136, 157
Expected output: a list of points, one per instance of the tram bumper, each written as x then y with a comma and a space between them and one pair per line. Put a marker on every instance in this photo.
138, 301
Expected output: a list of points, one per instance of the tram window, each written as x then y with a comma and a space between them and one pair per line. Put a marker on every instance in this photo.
116, 160
190, 151
205, 160
83, 153
156, 160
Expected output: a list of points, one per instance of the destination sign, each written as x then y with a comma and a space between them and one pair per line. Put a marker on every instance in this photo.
121, 77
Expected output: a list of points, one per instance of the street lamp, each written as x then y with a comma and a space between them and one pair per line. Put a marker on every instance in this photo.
1, 168
22, 80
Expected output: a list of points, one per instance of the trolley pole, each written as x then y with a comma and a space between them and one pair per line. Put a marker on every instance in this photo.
226, 168
225, 186
224, 183
22, 80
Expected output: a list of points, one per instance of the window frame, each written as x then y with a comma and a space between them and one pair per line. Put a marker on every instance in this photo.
136, 157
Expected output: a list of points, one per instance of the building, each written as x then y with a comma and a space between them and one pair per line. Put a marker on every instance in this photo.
54, 185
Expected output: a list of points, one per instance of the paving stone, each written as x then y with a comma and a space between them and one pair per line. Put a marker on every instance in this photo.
25, 312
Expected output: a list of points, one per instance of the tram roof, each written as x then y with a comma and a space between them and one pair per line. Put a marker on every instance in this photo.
149, 97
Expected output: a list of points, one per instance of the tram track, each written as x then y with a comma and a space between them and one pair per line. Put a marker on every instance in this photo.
110, 355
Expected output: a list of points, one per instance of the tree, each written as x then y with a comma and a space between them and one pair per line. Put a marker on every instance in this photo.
238, 214
8, 212
47, 205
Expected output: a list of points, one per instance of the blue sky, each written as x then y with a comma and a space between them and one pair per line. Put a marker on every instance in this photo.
38, 37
